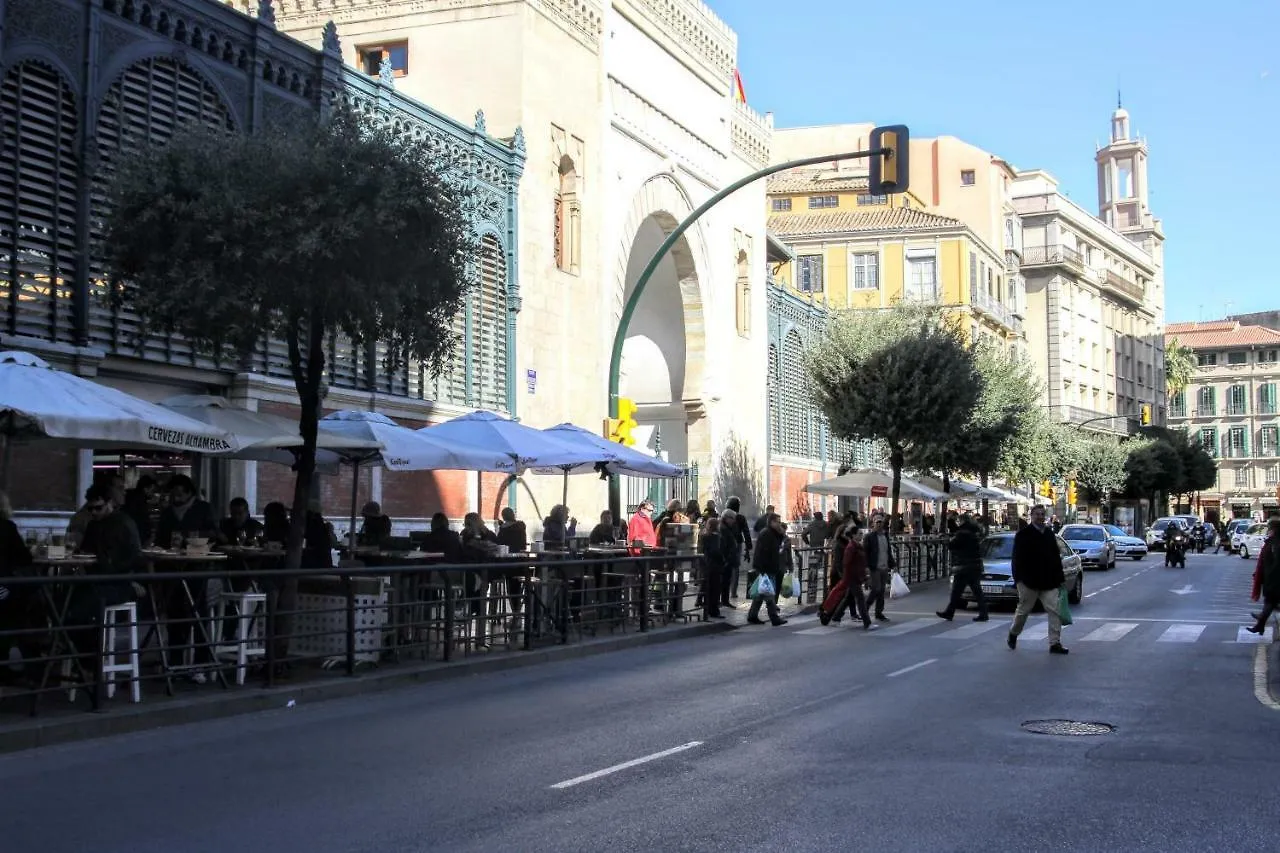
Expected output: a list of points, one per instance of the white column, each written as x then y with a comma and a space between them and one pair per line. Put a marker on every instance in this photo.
84, 474
375, 486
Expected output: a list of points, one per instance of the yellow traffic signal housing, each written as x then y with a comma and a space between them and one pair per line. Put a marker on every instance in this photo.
625, 423
1046, 488
611, 429
1071, 493
1146, 414
891, 169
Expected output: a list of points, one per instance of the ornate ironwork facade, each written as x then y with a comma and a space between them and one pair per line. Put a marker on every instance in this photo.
82, 80
796, 428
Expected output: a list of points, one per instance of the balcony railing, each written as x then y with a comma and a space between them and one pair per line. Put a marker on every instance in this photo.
1237, 409
1118, 283
1267, 408
1100, 421
1040, 256
1235, 453
990, 306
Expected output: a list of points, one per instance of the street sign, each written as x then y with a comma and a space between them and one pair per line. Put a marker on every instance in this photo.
879, 491
531, 380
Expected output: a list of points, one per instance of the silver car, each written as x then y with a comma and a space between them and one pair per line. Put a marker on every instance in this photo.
997, 571
1126, 545
1092, 542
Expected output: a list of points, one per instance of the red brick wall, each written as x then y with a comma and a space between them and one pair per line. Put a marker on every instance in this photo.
405, 494
43, 478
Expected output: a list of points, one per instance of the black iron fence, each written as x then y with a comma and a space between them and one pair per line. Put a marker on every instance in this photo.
79, 638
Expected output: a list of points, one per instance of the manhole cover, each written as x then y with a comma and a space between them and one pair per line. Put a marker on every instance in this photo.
1067, 728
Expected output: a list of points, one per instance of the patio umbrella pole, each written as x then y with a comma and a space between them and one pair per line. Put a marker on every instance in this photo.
8, 460
355, 496
564, 493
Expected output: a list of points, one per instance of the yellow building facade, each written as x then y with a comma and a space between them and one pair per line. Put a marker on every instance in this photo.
855, 251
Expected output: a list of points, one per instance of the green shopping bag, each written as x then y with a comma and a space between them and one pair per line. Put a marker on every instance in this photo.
1064, 607
754, 589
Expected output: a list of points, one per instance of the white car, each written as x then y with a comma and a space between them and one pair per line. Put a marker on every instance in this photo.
1092, 542
1236, 529
1126, 545
1251, 541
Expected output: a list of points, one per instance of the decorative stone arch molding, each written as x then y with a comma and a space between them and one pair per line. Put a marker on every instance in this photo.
665, 200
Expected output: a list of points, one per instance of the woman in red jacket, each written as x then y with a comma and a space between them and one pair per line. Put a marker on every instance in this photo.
853, 576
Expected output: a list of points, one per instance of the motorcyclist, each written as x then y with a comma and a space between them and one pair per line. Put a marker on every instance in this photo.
1170, 534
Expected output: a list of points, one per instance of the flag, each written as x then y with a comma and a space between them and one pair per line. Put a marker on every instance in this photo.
739, 93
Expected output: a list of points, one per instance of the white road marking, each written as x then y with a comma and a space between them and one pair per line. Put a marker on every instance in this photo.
1182, 633
1244, 635
911, 668
626, 765
820, 631
1261, 682
1109, 633
1186, 590
907, 627
1037, 631
973, 629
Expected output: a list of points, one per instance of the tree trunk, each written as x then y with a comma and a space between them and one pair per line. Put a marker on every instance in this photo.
307, 382
896, 461
940, 523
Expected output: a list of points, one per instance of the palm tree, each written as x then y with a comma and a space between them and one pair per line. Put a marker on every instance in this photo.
1179, 366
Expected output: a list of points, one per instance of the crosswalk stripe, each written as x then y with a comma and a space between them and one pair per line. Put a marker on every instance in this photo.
906, 627
973, 629
1182, 634
1109, 632
1244, 635
1036, 631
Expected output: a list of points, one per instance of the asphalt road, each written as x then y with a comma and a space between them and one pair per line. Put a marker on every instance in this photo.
799, 738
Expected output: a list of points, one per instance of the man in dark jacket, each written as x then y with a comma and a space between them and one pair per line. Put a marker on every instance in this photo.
735, 539
966, 556
880, 565
769, 561
1037, 570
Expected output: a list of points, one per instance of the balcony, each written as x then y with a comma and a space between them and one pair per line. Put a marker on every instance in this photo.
1050, 256
1235, 453
1122, 287
991, 306
1235, 411
1100, 421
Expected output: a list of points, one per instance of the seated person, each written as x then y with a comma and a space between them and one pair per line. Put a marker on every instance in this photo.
604, 533
442, 540
511, 532
185, 517
376, 528
239, 527
558, 528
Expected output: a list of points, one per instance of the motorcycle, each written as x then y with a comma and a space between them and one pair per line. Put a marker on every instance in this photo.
1175, 551
1202, 539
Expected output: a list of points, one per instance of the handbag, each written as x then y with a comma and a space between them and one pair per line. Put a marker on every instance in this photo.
1064, 606
898, 587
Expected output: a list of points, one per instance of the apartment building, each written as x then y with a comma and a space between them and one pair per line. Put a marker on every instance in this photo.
1231, 406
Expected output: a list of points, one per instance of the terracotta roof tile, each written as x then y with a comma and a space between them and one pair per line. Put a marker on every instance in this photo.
877, 218
816, 181
1220, 335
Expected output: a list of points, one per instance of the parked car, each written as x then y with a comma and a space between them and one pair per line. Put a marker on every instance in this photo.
1251, 541
1126, 545
1092, 542
997, 570
1155, 533
1236, 528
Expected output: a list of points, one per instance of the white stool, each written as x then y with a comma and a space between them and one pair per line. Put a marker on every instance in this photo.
250, 612
110, 666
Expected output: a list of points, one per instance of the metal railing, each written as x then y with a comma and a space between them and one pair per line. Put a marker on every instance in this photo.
1052, 255
145, 634
991, 306
1118, 283
660, 490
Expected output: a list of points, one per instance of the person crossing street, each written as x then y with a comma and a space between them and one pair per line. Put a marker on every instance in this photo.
880, 563
966, 555
1037, 570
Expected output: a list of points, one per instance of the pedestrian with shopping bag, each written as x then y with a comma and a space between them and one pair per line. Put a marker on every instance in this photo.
767, 565
880, 562
1038, 573
848, 592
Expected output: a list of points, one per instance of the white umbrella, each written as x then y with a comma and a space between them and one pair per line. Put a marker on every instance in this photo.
263, 436
523, 447
402, 449
873, 482
41, 403
624, 459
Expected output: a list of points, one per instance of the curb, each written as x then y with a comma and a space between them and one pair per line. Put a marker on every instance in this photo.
137, 718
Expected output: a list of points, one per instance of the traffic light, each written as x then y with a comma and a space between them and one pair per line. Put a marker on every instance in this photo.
1071, 492
1046, 488
1146, 414
625, 423
890, 170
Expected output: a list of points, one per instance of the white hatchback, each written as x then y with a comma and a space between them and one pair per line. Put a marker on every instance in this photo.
1251, 541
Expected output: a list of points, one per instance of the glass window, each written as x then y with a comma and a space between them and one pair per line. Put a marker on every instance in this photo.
922, 281
781, 204
866, 270
371, 57
809, 274
968, 177
1237, 358
1209, 441
1242, 478
1178, 404
865, 200
1237, 443
823, 202
997, 548
1267, 398
1206, 359
1237, 398
1087, 534
1206, 402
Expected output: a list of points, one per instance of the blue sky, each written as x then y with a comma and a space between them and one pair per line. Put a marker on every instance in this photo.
1036, 84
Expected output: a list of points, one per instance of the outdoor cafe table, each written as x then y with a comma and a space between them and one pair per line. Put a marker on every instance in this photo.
58, 614
177, 561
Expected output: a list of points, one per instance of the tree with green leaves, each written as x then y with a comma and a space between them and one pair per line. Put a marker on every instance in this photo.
1179, 366
1153, 469
335, 227
1100, 465
896, 376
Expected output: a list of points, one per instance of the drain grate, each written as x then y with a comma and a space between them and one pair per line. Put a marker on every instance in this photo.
1067, 728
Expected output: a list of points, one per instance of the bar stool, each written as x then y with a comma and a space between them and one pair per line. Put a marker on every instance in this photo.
249, 609
110, 624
